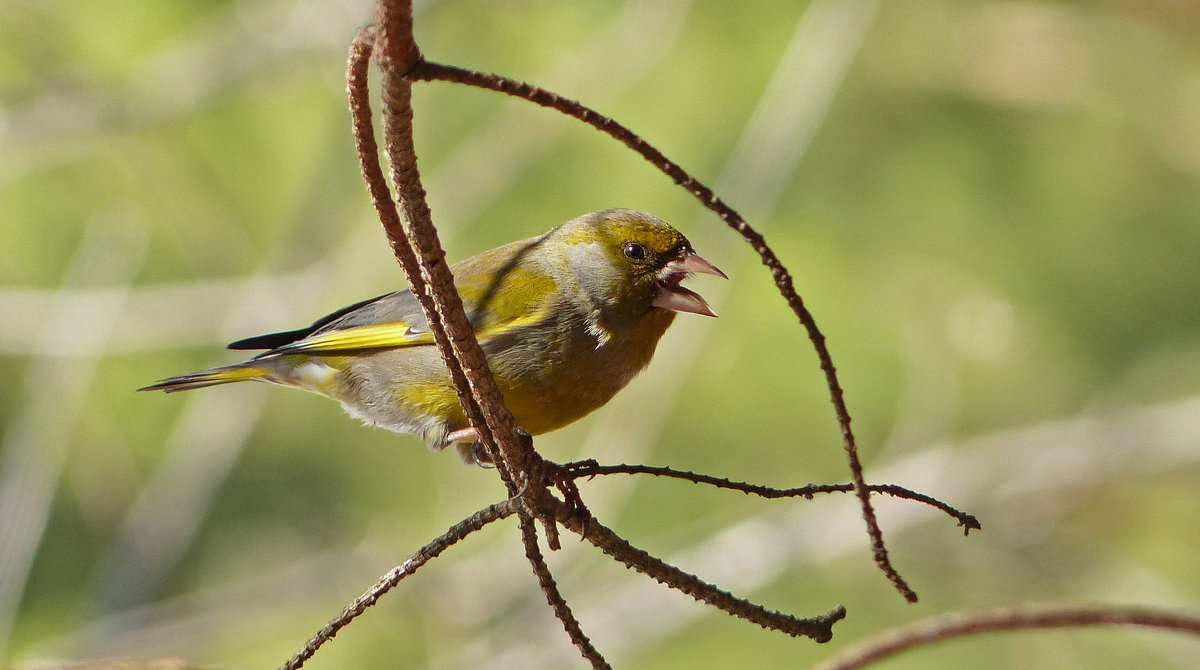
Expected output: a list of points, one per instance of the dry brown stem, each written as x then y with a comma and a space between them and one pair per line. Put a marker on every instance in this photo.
1019, 617
819, 628
592, 469
430, 551
368, 155
396, 53
554, 597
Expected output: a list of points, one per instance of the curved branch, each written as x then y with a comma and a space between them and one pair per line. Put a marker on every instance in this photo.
430, 551
396, 55
1018, 617
429, 71
381, 197
819, 628
555, 599
581, 469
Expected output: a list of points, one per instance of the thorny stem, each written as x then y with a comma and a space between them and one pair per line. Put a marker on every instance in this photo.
1019, 617
426, 70
368, 159
819, 628
430, 551
555, 598
582, 469
396, 53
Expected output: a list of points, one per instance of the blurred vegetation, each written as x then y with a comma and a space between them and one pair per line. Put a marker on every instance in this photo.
993, 210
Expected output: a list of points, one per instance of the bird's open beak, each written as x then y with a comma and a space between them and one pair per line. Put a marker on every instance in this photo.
668, 294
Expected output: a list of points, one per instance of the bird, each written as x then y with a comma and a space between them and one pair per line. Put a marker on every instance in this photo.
565, 319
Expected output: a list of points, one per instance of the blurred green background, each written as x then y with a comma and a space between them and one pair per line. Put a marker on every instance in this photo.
992, 208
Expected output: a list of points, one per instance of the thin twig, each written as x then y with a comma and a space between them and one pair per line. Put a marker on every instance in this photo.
1019, 617
430, 551
819, 628
396, 53
582, 469
431, 71
555, 598
368, 160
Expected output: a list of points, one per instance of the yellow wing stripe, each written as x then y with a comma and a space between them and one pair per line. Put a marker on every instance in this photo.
388, 335
375, 336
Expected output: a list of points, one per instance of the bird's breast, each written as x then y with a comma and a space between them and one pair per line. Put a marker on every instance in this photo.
554, 374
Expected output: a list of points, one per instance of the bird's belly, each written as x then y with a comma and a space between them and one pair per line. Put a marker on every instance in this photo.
540, 409
427, 405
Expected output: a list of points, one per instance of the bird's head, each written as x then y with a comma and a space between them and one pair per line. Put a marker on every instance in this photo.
634, 262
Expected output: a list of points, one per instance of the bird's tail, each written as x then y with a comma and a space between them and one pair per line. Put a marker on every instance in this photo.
223, 375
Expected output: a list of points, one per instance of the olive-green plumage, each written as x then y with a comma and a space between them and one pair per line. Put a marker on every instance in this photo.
565, 319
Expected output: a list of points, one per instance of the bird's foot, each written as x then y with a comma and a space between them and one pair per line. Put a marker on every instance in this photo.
561, 477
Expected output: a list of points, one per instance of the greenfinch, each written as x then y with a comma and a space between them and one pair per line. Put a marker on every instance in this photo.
566, 319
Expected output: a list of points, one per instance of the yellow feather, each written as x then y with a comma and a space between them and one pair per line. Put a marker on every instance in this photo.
388, 336
374, 336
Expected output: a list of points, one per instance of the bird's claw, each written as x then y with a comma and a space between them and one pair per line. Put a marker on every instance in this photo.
480, 455
562, 478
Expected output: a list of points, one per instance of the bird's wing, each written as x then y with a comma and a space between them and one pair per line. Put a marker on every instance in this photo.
273, 340
499, 293
392, 320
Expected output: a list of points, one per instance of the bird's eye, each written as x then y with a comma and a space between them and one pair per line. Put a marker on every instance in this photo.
635, 252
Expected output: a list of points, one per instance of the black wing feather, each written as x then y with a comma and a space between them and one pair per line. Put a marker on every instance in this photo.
276, 340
